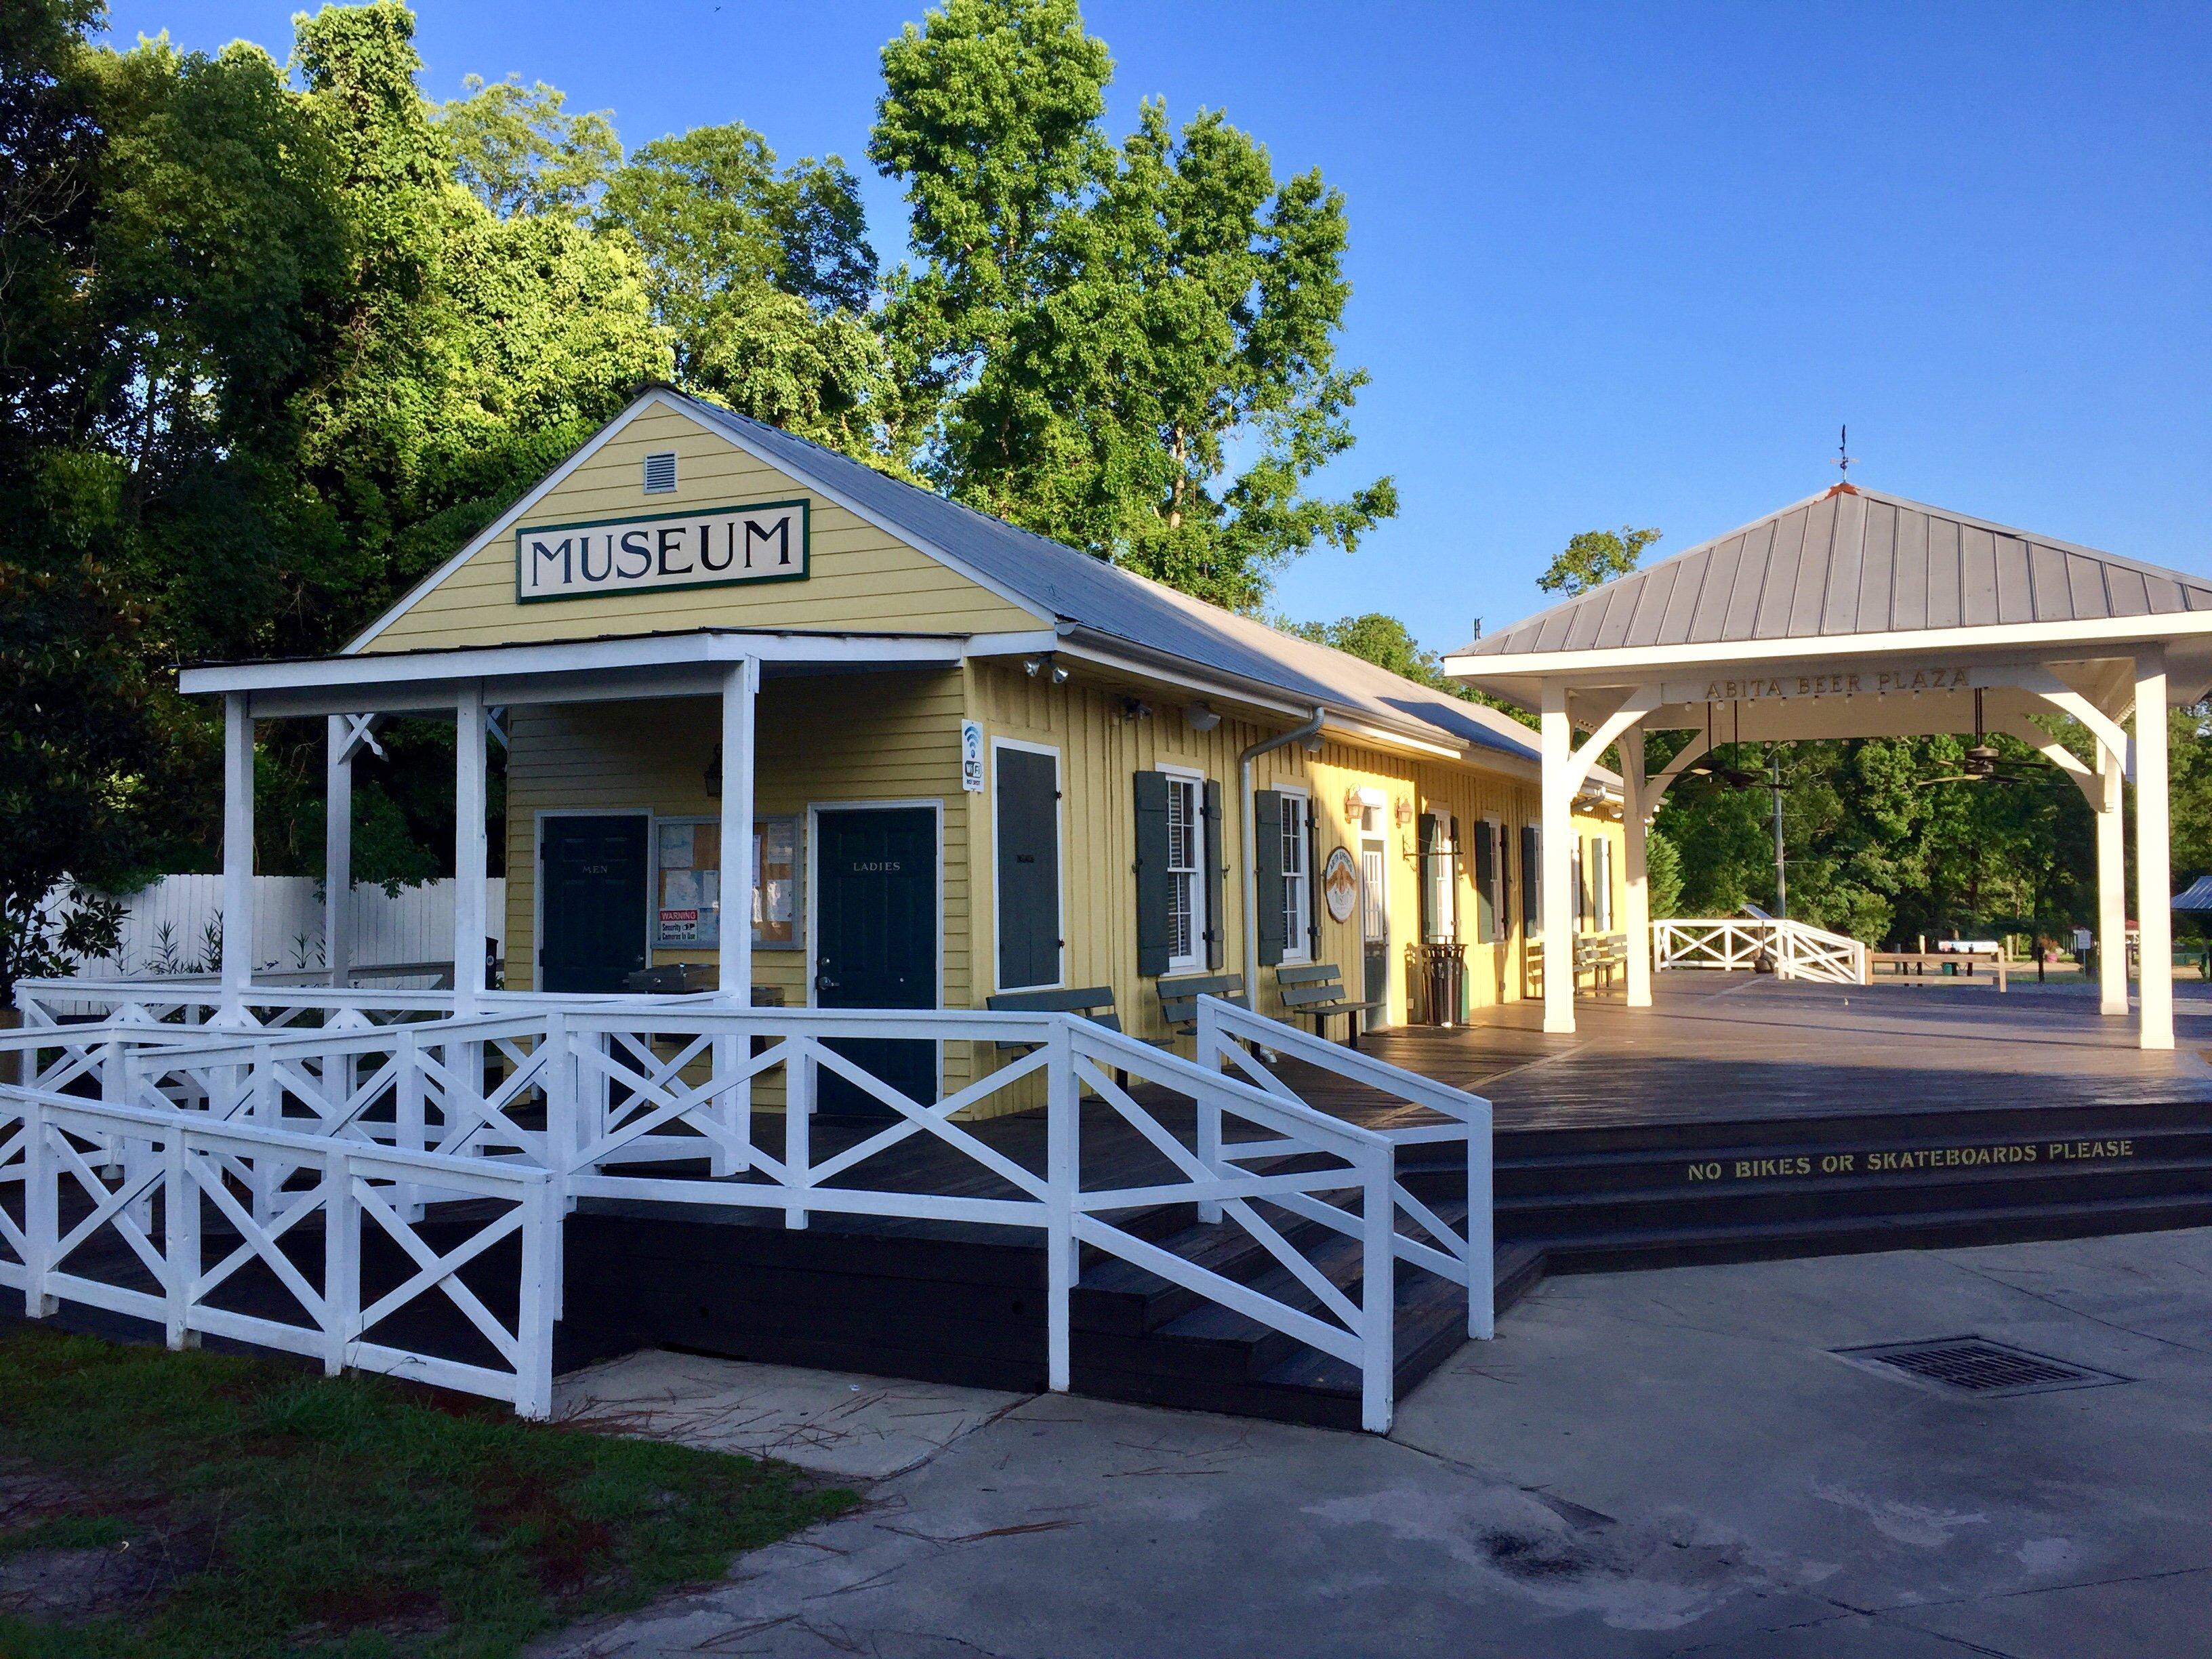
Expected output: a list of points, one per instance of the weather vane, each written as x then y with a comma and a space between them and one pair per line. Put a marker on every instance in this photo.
1843, 461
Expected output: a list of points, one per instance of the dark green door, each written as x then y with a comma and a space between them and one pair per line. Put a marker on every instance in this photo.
875, 942
592, 906
1027, 834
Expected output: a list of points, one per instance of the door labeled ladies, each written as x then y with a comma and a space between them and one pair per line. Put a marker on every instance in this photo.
593, 923
875, 942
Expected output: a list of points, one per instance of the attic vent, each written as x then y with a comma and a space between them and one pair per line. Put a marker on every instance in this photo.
660, 472
1974, 1364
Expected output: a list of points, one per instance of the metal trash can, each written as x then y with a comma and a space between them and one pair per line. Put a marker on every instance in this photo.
1444, 981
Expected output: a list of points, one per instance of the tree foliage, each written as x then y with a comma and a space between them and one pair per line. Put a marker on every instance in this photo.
762, 277
520, 151
1130, 348
1594, 558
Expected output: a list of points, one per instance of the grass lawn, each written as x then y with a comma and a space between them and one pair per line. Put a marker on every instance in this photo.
159, 1505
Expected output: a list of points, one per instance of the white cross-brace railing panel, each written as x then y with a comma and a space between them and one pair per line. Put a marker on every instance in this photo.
1229, 1037
654, 1098
1790, 948
105, 1167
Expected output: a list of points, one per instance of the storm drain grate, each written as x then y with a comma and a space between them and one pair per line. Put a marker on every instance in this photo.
1976, 1365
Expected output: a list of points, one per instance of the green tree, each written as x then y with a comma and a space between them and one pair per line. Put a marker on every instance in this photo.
1594, 558
764, 277
1129, 350
520, 151
1382, 640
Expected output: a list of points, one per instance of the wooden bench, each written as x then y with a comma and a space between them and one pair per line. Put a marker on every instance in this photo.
1921, 961
1318, 989
1599, 954
1094, 1002
1178, 997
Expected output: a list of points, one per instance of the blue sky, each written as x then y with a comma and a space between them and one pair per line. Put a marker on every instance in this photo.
1612, 264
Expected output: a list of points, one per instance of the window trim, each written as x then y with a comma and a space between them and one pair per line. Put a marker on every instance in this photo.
1300, 953
1194, 962
1059, 981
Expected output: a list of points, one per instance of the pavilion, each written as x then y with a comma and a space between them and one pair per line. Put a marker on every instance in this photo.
1857, 614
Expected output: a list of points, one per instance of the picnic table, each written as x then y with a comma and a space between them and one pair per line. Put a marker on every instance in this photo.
1944, 962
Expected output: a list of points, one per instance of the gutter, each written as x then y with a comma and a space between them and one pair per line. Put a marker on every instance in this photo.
1311, 729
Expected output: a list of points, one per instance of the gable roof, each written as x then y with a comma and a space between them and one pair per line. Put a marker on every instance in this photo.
1101, 598
1852, 561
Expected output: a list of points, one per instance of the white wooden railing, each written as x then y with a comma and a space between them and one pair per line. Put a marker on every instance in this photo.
1790, 950
367, 1107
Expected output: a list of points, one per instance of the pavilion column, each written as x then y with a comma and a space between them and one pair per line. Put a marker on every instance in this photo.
740, 698
1556, 889
337, 851
2154, 876
1636, 888
469, 849
237, 854
2111, 888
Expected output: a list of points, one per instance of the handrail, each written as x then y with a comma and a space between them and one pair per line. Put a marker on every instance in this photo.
652, 1098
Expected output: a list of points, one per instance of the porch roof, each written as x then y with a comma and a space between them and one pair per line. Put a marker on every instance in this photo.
613, 667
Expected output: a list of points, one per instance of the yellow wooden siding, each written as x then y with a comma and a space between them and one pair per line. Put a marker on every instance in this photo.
822, 740
1102, 746
881, 737
860, 577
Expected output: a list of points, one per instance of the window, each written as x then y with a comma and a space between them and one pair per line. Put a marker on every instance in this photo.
1601, 882
776, 883
1186, 891
687, 884
1297, 879
660, 472
1439, 878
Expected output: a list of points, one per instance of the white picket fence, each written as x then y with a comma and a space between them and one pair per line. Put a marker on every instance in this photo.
377, 1118
171, 927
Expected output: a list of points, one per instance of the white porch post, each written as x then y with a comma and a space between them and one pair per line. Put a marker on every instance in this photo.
740, 703
1558, 835
337, 851
2111, 888
469, 853
2154, 876
1636, 890
740, 697
237, 853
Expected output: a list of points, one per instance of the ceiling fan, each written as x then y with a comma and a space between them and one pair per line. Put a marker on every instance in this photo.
1709, 767
1982, 762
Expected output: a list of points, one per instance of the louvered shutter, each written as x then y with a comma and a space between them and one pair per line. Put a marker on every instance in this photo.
1268, 874
1152, 936
1215, 932
1486, 873
1532, 879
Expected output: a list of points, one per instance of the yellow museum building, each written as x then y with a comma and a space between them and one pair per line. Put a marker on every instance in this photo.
979, 763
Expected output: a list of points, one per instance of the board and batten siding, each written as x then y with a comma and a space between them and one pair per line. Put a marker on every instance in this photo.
822, 740
860, 578
1102, 746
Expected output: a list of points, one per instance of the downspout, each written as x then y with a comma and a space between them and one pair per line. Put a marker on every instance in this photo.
1251, 885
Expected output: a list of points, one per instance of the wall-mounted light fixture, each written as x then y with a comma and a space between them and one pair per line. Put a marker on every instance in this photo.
1135, 708
1045, 666
1199, 718
1404, 809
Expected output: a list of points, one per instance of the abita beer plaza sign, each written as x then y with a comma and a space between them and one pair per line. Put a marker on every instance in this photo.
765, 542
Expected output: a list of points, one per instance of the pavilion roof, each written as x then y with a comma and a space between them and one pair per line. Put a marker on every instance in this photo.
1851, 561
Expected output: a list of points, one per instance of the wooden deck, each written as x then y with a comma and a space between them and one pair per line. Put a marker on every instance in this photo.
1741, 1046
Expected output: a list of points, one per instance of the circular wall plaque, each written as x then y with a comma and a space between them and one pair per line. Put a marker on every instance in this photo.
1340, 885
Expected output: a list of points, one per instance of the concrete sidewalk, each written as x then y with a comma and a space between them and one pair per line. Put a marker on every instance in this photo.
1640, 1464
